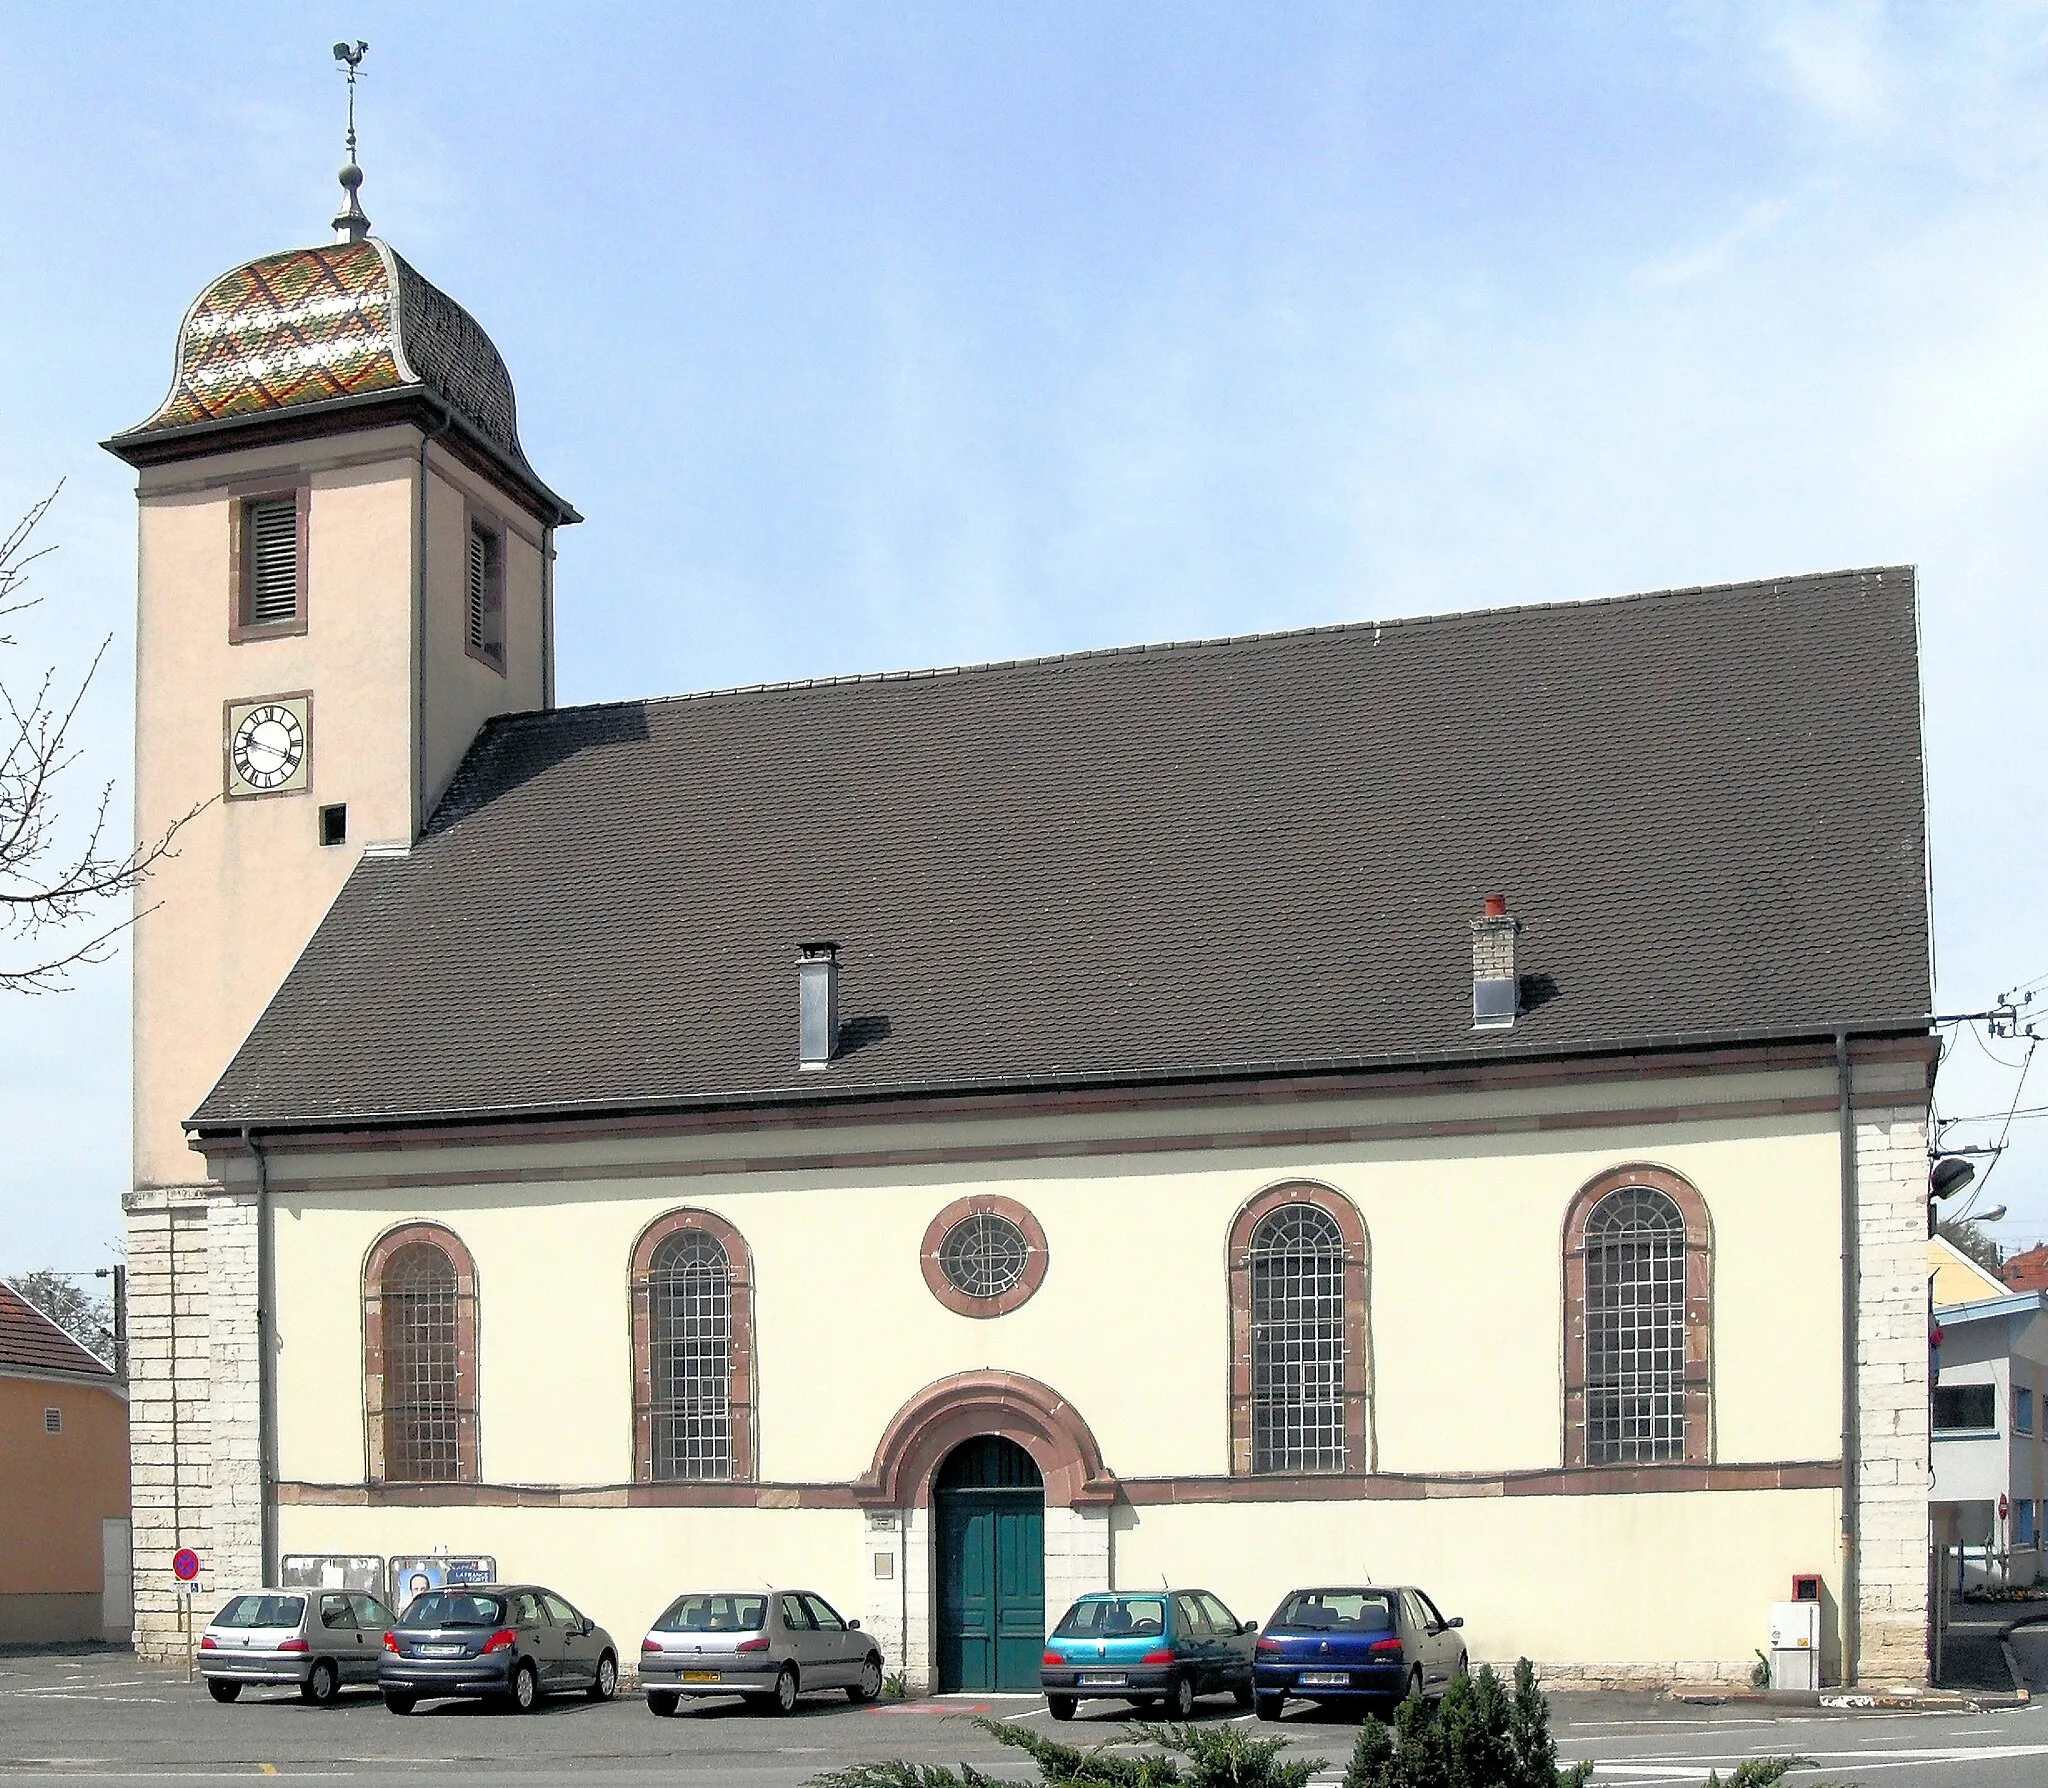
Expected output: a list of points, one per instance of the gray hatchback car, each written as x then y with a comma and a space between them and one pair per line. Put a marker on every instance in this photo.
770, 1645
315, 1640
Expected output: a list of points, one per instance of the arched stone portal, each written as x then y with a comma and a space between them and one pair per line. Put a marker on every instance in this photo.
937, 1426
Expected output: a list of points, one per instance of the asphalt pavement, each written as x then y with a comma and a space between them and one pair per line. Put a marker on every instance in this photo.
103, 1718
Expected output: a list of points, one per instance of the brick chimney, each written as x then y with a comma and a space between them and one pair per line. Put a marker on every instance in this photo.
1496, 992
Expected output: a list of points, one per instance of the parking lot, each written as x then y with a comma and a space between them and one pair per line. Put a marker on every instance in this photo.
100, 1717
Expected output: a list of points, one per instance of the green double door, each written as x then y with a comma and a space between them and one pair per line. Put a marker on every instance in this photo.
989, 1510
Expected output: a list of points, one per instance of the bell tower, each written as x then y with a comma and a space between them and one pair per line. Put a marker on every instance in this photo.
345, 568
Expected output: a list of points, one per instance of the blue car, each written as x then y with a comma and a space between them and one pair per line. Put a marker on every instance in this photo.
1367, 1647
1156, 1647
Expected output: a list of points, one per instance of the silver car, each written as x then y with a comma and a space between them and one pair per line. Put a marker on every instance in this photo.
770, 1645
314, 1640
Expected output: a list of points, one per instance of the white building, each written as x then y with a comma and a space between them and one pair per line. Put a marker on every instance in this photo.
1990, 1421
1178, 1173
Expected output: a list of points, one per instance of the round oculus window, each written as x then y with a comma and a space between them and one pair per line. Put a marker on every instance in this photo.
984, 1255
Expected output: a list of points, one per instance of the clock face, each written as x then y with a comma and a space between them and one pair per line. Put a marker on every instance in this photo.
267, 746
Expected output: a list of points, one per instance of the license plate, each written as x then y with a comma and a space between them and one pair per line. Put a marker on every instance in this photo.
1103, 1682
700, 1676
1324, 1679
440, 1651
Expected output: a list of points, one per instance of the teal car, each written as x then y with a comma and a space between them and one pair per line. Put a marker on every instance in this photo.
1150, 1647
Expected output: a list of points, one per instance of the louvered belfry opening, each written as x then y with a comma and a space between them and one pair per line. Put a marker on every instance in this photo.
273, 561
486, 607
690, 1318
422, 1357
1297, 1274
1635, 1329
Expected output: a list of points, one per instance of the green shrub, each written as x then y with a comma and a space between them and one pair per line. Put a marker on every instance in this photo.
1478, 1736
1758, 1772
1216, 1757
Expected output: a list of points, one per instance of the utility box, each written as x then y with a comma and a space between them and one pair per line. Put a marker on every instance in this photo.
1795, 1645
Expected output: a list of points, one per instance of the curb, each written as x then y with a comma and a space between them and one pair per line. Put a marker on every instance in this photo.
2012, 1662
1853, 1701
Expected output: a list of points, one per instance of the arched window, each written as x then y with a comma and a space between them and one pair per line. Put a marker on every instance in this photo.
1636, 1381
419, 1326
1298, 1334
693, 1348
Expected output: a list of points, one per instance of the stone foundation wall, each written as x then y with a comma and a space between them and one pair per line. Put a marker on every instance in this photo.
194, 1465
1892, 1395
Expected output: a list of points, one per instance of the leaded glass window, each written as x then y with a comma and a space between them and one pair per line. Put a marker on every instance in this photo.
422, 1360
984, 1255
1635, 1329
1297, 1286
689, 1299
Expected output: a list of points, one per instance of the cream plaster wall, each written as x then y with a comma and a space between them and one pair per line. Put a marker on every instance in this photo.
1657, 1587
620, 1566
463, 692
1131, 1323
1586, 1580
228, 915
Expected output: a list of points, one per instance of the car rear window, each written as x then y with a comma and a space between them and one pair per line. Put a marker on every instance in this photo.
1115, 1617
454, 1608
1328, 1610
714, 1614
262, 1611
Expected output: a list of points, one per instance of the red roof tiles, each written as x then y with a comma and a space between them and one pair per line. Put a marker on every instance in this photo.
31, 1342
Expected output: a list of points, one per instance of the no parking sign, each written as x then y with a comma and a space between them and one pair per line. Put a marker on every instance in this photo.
185, 1567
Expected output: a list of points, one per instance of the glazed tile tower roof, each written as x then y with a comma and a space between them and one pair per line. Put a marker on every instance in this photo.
1229, 858
314, 334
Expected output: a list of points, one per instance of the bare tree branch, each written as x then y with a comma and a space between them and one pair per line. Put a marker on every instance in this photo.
51, 878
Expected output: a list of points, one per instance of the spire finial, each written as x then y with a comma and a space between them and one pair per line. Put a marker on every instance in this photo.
351, 224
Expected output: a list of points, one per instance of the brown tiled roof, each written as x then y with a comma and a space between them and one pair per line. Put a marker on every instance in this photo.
1239, 855
31, 1342
2028, 1271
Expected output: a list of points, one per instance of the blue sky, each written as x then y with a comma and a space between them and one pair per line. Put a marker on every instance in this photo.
875, 336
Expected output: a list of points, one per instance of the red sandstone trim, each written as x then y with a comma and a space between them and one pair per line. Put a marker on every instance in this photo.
1699, 1310
739, 1259
1357, 1355
976, 1204
956, 1409
1625, 1480
374, 1265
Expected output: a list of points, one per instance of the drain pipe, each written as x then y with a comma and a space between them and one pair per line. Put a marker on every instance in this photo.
266, 1414
1851, 1286
421, 643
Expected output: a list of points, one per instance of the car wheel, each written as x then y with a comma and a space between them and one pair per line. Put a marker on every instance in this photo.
323, 1683
223, 1691
1061, 1707
784, 1699
1463, 1667
606, 1684
1415, 1685
1271, 1706
869, 1688
400, 1703
662, 1702
525, 1695
1180, 1698
1244, 1696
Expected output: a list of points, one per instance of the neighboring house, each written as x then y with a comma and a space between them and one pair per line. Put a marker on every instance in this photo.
965, 1138
1990, 1422
1956, 1278
63, 1484
2027, 1272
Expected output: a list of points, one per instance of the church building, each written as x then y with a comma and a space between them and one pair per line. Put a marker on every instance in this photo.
1435, 1100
